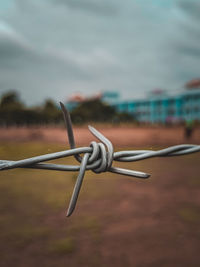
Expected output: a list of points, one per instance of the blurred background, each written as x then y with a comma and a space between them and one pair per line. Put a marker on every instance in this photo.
131, 69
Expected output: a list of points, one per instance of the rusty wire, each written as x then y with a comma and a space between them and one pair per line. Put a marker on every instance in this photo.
98, 157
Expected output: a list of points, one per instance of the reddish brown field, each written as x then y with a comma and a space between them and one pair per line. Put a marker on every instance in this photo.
119, 136
119, 221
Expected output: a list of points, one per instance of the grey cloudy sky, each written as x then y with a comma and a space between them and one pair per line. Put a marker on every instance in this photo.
53, 48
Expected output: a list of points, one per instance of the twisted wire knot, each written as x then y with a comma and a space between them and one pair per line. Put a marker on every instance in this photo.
98, 157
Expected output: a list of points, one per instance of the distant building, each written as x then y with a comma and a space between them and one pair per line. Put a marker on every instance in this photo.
109, 97
193, 84
159, 107
74, 100
163, 108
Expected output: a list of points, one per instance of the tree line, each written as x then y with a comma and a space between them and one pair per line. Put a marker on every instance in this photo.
14, 112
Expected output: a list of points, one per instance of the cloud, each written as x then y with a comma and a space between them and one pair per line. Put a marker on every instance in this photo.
36, 74
184, 51
190, 8
53, 48
106, 8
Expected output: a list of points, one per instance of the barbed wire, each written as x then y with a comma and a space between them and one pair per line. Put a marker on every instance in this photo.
98, 157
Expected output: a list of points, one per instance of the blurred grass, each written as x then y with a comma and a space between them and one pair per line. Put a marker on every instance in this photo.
33, 202
62, 246
190, 214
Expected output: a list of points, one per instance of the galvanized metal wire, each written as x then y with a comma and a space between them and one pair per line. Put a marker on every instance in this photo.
98, 157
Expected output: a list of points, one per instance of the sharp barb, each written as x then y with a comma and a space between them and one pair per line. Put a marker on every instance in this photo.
70, 133
135, 174
68, 124
98, 157
78, 184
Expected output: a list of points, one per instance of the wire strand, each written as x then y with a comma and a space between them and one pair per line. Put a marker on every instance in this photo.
98, 157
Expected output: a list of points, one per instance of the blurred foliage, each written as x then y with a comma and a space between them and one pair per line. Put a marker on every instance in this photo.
51, 113
34, 231
14, 112
96, 110
63, 246
11, 100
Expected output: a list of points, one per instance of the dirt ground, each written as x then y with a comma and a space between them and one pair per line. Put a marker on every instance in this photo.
119, 221
119, 136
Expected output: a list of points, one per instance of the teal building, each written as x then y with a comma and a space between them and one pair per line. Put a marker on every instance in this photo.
164, 108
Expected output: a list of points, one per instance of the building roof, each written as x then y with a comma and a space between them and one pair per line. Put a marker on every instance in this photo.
195, 83
76, 98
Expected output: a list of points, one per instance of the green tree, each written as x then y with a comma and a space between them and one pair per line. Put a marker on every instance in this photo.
11, 100
11, 109
92, 110
96, 110
50, 112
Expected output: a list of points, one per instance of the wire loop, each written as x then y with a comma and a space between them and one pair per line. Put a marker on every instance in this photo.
98, 157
